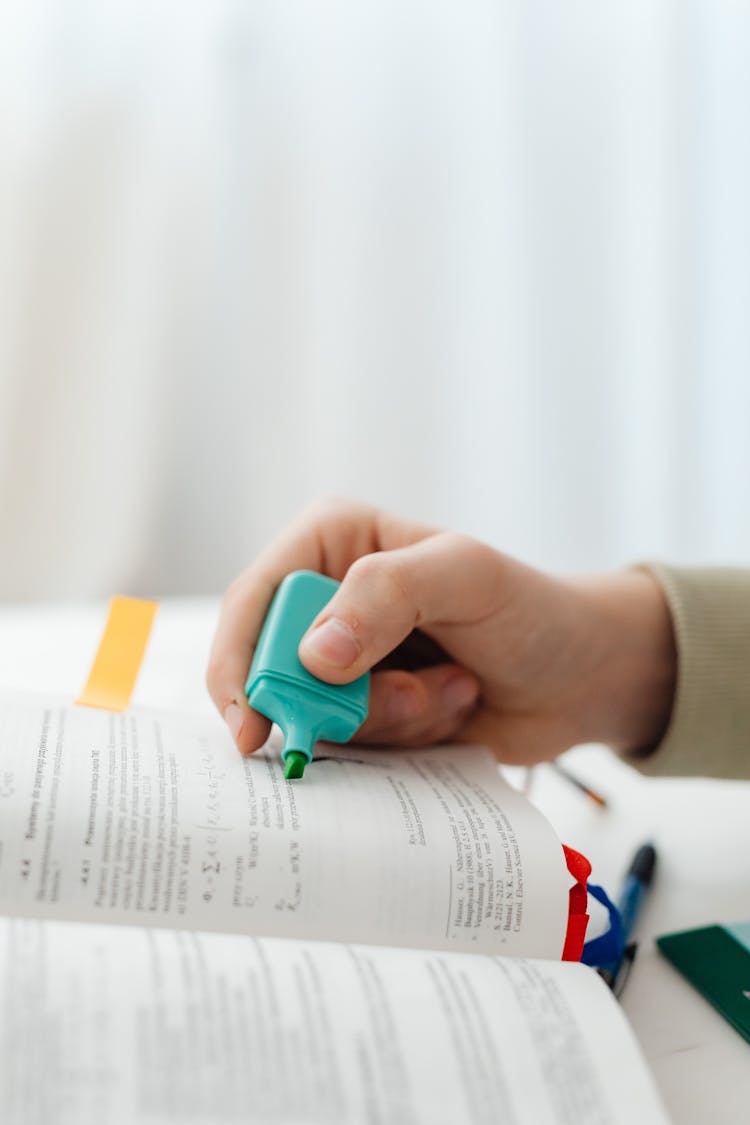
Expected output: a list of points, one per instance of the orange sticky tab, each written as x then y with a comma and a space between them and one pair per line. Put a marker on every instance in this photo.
118, 659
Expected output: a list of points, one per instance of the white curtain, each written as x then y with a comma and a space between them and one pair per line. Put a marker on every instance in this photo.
484, 263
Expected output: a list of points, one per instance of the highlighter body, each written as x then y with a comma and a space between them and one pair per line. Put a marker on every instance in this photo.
280, 687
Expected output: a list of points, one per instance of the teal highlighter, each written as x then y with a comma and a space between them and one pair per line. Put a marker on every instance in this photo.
281, 688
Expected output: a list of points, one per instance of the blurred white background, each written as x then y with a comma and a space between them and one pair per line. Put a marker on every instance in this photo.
483, 263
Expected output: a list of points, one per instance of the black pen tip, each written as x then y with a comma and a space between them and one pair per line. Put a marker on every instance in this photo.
644, 862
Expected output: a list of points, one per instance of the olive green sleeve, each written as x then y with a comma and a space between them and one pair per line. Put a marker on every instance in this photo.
709, 730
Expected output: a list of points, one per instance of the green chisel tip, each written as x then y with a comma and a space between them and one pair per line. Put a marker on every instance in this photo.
295, 763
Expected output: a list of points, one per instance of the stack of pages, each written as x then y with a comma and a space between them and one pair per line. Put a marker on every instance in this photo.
187, 937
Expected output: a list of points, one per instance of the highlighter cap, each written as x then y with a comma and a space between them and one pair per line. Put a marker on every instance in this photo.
281, 688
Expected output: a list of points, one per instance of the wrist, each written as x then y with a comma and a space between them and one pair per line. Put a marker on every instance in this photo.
633, 660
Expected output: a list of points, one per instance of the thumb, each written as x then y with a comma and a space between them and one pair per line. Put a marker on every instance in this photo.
386, 595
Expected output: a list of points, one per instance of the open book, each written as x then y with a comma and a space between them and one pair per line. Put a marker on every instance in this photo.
187, 937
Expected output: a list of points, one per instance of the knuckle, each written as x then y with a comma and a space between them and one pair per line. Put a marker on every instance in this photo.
339, 515
386, 575
365, 569
330, 506
458, 543
464, 549
321, 507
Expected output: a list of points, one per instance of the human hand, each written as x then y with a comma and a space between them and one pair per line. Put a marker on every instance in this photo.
466, 644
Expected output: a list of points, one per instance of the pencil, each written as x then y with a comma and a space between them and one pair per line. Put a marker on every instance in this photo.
563, 771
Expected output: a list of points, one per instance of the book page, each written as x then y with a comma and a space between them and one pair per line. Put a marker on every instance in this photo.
116, 1025
149, 818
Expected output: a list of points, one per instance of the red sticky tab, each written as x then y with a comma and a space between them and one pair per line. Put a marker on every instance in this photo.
578, 919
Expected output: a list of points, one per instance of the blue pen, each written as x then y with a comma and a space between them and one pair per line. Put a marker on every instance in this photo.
634, 890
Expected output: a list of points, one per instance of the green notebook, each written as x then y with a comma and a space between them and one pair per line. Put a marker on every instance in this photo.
716, 960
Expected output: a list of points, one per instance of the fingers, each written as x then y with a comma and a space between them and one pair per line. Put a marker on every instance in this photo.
444, 578
243, 610
248, 728
327, 537
418, 708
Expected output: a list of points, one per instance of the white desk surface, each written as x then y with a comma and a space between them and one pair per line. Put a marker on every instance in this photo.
701, 829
